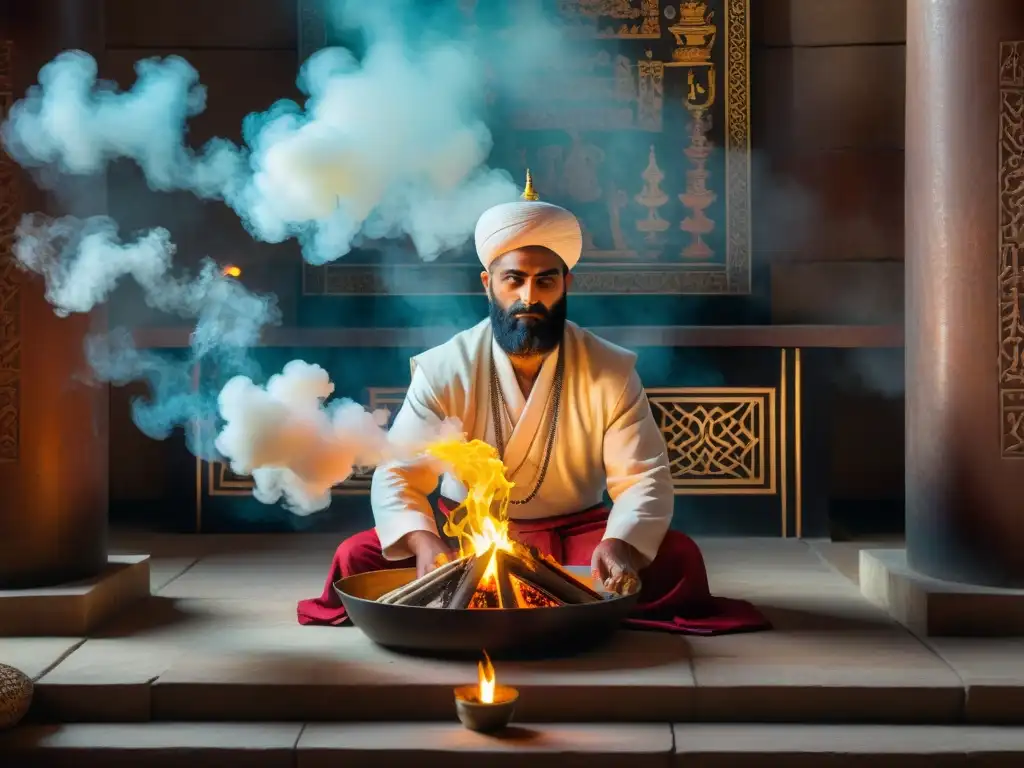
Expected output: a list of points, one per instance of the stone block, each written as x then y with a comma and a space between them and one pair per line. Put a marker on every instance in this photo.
445, 745
329, 673
75, 609
931, 607
992, 670
847, 746
881, 675
153, 745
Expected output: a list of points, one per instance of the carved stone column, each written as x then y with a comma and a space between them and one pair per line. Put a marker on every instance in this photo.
53, 422
965, 283
962, 572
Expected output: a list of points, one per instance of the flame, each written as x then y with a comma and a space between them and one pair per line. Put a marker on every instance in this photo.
487, 678
231, 271
481, 521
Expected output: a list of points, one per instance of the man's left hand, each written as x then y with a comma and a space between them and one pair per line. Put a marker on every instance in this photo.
615, 564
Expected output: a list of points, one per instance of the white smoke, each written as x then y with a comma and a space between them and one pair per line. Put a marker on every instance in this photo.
389, 146
297, 448
84, 261
392, 145
295, 444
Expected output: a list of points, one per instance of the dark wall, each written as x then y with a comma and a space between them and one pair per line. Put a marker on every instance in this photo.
247, 55
829, 117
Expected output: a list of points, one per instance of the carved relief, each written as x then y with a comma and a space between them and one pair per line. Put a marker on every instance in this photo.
615, 18
1011, 241
10, 307
720, 441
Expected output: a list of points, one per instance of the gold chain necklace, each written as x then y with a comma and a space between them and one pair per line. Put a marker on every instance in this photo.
498, 404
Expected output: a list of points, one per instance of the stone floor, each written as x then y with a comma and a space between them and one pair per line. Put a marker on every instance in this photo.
215, 661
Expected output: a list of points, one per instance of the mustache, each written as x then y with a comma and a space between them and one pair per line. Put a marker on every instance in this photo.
519, 308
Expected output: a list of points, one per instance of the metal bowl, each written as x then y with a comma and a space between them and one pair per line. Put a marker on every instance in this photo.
502, 632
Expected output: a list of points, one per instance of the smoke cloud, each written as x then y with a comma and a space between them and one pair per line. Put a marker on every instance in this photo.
388, 146
296, 448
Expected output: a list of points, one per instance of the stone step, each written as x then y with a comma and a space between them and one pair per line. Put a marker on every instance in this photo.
448, 745
303, 674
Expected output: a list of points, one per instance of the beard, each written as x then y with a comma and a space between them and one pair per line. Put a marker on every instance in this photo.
525, 336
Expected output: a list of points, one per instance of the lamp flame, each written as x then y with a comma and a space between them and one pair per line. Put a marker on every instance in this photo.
231, 271
485, 673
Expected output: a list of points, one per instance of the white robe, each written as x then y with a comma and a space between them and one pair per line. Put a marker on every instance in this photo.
606, 438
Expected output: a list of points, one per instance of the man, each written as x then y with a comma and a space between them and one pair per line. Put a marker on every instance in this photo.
568, 415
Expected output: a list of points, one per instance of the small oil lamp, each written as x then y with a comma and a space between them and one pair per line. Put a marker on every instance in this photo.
485, 707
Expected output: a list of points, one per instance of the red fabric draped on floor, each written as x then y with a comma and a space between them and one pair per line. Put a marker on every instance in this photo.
674, 597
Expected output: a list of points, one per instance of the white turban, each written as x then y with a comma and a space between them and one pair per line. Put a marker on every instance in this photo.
509, 226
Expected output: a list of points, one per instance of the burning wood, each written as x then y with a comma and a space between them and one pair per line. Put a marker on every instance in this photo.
497, 578
493, 571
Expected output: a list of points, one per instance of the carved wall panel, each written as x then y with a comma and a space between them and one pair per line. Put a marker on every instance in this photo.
10, 278
1011, 244
642, 130
721, 441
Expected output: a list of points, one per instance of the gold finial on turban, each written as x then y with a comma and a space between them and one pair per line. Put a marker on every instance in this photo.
530, 193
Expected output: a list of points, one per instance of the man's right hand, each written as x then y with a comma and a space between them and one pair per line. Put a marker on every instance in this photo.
429, 550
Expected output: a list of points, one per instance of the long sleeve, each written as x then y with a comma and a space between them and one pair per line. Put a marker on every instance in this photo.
638, 476
399, 489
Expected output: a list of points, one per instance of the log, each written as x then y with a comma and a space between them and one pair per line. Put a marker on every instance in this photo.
471, 577
552, 565
561, 586
441, 588
506, 593
434, 577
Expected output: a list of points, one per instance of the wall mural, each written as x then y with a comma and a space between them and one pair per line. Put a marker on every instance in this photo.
645, 136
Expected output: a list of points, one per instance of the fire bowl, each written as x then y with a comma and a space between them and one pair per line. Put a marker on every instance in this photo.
485, 718
506, 633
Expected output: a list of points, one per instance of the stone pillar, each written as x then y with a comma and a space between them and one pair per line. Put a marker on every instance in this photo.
965, 291
53, 421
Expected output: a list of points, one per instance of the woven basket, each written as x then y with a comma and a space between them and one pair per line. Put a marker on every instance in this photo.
15, 696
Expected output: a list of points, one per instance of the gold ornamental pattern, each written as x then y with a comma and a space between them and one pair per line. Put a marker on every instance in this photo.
10, 288
721, 441
1011, 241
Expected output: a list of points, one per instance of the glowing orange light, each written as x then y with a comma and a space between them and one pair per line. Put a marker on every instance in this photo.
231, 271
487, 679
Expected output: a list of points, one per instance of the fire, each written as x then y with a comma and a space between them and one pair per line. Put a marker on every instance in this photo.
487, 678
231, 271
480, 523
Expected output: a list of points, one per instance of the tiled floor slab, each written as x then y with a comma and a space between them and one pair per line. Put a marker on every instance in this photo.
814, 668
35, 655
153, 745
847, 746
253, 576
327, 673
108, 678
449, 745
233, 650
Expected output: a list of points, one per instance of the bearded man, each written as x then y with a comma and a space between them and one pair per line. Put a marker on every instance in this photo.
567, 413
